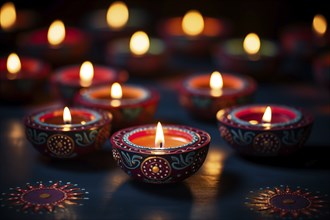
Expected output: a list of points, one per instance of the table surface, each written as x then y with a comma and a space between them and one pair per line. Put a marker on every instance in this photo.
221, 189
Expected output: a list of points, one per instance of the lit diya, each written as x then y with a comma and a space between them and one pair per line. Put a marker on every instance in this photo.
265, 130
160, 154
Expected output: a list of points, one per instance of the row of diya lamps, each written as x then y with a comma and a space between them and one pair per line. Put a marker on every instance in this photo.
192, 35
123, 113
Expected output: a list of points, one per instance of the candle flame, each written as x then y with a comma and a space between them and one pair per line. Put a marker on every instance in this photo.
67, 116
56, 33
86, 74
13, 63
216, 83
319, 24
251, 44
7, 15
193, 23
139, 43
116, 91
267, 117
117, 15
159, 139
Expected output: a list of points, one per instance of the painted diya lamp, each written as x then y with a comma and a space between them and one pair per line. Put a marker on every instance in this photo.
202, 95
57, 44
67, 81
160, 155
260, 130
129, 104
249, 56
139, 54
21, 79
193, 34
65, 134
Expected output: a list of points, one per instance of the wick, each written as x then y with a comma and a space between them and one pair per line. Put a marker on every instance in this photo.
67, 123
161, 145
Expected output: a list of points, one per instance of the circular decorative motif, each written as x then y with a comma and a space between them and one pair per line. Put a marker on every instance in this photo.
40, 197
156, 168
266, 143
226, 135
286, 203
60, 145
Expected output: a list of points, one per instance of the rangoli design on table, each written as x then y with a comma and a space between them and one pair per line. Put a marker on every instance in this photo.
40, 197
285, 202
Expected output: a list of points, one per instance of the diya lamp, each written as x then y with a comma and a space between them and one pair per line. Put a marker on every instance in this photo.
305, 40
202, 95
58, 44
139, 54
129, 104
162, 154
249, 56
68, 133
265, 130
68, 80
193, 34
22, 78
115, 22
13, 21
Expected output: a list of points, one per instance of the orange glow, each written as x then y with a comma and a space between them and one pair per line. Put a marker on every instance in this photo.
216, 83
193, 23
86, 74
56, 33
13, 63
251, 44
319, 24
267, 117
117, 15
139, 43
66, 116
7, 15
159, 139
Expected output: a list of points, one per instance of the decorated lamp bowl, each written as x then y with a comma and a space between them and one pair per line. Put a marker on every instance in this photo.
87, 132
183, 153
243, 129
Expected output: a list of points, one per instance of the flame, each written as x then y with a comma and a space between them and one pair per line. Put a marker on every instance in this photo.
7, 15
193, 23
67, 116
267, 117
86, 74
319, 24
117, 15
216, 83
251, 44
56, 33
13, 63
139, 43
159, 139
116, 91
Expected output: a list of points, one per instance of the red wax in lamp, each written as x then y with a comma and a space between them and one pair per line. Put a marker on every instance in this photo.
58, 44
204, 94
78, 117
193, 33
67, 81
22, 79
